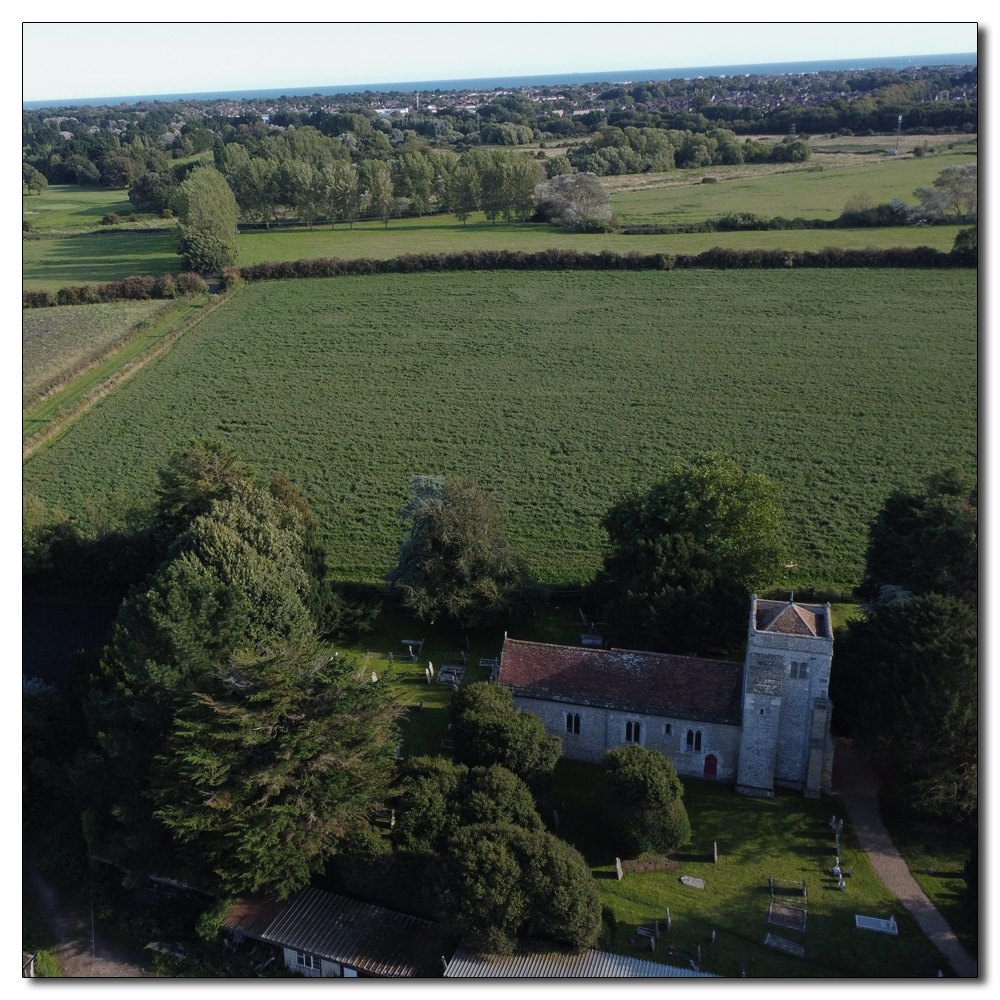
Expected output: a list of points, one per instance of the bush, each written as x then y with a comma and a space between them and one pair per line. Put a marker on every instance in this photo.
965, 249
111, 219
35, 300
27, 225
230, 277
710, 180
191, 284
644, 807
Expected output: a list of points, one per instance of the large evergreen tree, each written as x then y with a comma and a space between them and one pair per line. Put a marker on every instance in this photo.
906, 678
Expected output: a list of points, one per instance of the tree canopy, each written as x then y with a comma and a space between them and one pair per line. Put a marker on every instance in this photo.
926, 541
209, 214
906, 677
644, 807
456, 562
487, 729
684, 556
498, 881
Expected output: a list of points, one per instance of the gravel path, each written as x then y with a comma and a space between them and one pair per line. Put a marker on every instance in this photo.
857, 785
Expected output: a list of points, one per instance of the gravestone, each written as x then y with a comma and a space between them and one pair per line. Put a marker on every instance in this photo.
783, 944
713, 937
652, 944
698, 958
430, 667
656, 927
843, 886
695, 883
618, 869
715, 852
421, 706
668, 919
850, 874
555, 818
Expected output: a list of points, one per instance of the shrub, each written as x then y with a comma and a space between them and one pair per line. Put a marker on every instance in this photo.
27, 225
710, 180
165, 287
35, 300
191, 283
644, 807
965, 250
230, 278
111, 219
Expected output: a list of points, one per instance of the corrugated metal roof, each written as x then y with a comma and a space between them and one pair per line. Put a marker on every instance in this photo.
683, 687
362, 936
535, 961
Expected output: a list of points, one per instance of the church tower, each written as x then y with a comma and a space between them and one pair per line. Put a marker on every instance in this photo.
785, 739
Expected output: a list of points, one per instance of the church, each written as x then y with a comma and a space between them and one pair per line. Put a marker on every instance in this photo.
760, 724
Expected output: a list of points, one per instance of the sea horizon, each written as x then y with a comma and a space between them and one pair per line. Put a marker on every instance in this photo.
535, 80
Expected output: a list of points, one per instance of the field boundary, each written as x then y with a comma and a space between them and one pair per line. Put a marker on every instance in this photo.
71, 413
136, 330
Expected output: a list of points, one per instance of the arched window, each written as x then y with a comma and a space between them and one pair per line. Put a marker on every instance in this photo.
632, 732
697, 741
690, 739
573, 724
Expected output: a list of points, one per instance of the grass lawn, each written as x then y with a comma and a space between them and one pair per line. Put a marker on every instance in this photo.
787, 837
69, 206
810, 193
102, 255
57, 342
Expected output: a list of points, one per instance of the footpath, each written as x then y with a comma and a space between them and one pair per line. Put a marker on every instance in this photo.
857, 785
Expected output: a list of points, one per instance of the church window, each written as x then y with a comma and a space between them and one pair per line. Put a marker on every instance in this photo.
632, 732
573, 724
666, 729
690, 739
697, 741
800, 671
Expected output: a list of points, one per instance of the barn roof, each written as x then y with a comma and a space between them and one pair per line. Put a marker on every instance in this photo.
789, 618
683, 687
368, 938
537, 961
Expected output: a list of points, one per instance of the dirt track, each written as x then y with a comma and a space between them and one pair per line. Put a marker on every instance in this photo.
72, 930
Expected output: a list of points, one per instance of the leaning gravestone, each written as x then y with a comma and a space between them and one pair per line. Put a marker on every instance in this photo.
618, 869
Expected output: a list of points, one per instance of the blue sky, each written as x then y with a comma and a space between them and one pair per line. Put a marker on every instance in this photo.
67, 60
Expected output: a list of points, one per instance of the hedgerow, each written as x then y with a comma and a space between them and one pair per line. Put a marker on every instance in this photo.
165, 286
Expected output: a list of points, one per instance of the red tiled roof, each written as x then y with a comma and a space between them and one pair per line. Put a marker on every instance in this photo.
791, 619
684, 687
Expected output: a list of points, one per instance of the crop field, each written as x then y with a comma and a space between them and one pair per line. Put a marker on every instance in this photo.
787, 837
59, 341
807, 192
75, 260
558, 392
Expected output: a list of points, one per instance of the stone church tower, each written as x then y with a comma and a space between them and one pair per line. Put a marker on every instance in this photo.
785, 738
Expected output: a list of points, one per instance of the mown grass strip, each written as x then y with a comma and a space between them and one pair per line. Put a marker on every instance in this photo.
53, 415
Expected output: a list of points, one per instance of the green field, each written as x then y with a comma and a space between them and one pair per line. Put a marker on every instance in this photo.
75, 260
68, 206
59, 341
54, 406
811, 194
786, 837
558, 391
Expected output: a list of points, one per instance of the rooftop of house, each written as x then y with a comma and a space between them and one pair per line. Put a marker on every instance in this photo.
368, 938
790, 618
682, 687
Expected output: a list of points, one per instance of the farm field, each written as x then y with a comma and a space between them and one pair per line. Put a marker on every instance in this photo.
57, 342
69, 206
50, 408
557, 391
808, 192
787, 837
76, 260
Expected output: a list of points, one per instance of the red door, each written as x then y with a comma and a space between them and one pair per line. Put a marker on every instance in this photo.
711, 766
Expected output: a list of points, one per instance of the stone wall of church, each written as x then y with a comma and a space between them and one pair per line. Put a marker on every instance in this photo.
602, 729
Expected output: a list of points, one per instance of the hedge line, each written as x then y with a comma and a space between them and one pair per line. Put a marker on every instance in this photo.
606, 260
166, 286
720, 258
